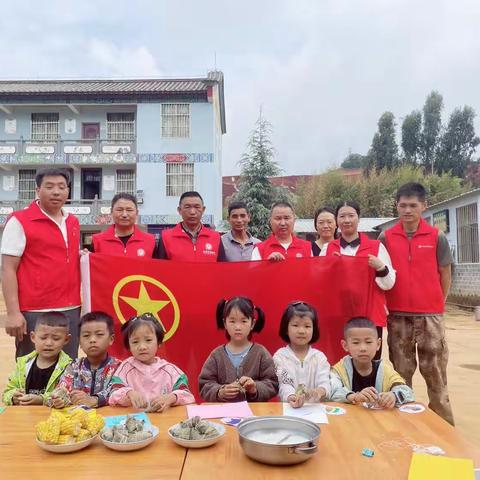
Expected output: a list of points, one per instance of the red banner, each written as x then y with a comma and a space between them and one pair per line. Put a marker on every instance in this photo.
184, 296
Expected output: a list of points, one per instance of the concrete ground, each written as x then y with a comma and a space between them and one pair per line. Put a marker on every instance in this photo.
463, 335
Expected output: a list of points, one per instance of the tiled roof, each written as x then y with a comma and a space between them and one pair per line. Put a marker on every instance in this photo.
11, 91
89, 87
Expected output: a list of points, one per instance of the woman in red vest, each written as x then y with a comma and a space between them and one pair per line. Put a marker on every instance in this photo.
124, 238
355, 244
326, 227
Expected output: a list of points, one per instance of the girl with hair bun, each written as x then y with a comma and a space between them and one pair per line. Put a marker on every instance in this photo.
240, 369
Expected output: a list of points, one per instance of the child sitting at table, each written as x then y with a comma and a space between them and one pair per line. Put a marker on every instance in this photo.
90, 380
239, 370
358, 378
303, 371
149, 382
37, 373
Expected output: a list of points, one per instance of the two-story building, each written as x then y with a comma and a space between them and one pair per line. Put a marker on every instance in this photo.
153, 138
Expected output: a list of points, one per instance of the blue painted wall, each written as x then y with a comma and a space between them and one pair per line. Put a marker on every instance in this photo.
87, 114
205, 137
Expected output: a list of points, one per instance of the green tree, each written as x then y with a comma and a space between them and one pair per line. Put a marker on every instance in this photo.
330, 188
354, 160
443, 186
432, 125
412, 137
376, 192
473, 173
255, 188
384, 150
458, 143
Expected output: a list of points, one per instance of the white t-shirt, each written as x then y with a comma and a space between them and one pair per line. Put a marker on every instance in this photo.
14, 240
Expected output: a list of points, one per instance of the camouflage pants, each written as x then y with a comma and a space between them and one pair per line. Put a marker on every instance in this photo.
425, 335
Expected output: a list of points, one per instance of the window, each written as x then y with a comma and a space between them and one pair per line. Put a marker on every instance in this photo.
26, 184
45, 126
125, 181
467, 234
121, 127
179, 178
176, 120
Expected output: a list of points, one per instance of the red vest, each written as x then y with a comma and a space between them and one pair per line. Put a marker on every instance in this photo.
48, 275
377, 310
179, 246
139, 245
297, 249
417, 288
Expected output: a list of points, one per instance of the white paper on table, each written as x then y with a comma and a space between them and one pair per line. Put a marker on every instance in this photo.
315, 412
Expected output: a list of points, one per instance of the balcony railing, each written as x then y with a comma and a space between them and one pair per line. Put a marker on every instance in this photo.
62, 146
88, 212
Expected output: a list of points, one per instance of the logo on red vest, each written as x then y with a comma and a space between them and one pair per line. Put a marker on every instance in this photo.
298, 255
426, 246
209, 249
140, 252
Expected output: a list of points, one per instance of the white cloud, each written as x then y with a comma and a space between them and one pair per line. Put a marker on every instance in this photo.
124, 61
324, 70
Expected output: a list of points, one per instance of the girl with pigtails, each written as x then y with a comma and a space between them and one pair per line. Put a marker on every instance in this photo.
240, 369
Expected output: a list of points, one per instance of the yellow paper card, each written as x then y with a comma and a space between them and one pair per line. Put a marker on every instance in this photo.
440, 468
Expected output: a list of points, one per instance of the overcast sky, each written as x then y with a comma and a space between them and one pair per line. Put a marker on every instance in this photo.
322, 70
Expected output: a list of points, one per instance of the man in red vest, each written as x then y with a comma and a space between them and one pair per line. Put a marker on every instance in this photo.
40, 262
190, 240
282, 243
124, 238
421, 256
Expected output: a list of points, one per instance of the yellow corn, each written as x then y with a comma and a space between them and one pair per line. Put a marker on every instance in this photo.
64, 439
95, 424
83, 435
70, 427
78, 414
49, 430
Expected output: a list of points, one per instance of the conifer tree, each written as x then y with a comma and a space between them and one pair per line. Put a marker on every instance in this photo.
256, 190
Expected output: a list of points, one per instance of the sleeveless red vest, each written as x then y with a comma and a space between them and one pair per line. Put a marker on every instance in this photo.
48, 275
139, 245
297, 249
377, 310
179, 246
417, 288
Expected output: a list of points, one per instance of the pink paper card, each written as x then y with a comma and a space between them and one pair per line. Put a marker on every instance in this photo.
237, 409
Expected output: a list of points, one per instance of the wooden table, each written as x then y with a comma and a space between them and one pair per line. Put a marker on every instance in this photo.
21, 458
341, 442
389, 433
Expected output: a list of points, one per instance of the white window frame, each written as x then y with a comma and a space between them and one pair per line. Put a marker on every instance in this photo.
26, 185
180, 178
467, 234
175, 122
121, 130
125, 181
45, 126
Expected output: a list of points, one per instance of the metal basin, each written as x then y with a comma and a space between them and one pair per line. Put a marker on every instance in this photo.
278, 440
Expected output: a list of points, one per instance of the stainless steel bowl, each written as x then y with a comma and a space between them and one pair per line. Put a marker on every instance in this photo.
290, 450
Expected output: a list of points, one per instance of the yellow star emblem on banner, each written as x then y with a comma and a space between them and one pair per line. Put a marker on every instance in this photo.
144, 303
